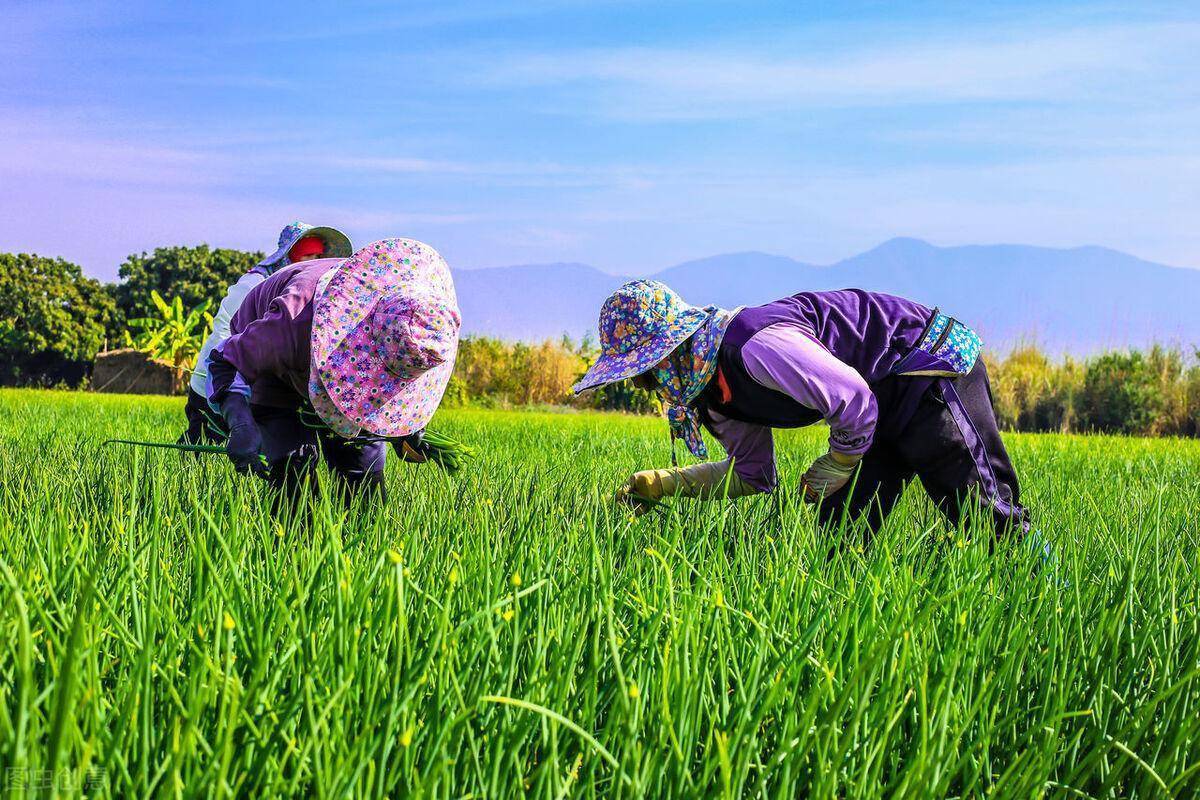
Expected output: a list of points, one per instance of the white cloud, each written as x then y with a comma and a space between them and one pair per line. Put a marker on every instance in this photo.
717, 82
1060, 135
27, 151
402, 165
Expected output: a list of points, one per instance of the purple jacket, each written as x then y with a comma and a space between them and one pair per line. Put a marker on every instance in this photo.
269, 345
813, 356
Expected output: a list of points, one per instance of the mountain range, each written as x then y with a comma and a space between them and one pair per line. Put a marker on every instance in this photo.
1079, 300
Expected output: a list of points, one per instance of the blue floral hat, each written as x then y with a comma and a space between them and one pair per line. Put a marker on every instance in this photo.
640, 324
337, 244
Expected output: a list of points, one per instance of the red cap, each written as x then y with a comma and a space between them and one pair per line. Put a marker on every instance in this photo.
307, 246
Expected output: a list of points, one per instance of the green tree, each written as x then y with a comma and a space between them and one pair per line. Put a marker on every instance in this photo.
52, 320
1191, 391
1033, 394
193, 274
174, 335
623, 396
1121, 393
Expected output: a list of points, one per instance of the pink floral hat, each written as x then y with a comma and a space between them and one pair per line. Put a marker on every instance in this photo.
384, 339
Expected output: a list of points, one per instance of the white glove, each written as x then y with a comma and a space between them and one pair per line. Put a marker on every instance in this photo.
828, 474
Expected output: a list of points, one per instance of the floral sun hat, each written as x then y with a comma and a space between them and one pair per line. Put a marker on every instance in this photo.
337, 244
640, 324
384, 339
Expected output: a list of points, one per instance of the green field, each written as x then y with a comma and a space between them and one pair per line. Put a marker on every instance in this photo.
510, 631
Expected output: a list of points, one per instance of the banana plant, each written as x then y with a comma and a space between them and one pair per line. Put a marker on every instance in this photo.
174, 335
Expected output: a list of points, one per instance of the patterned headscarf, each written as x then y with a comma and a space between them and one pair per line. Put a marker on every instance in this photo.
645, 322
689, 369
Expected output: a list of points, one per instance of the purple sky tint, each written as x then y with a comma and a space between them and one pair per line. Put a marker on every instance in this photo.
622, 134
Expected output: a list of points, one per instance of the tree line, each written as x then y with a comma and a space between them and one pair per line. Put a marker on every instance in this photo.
54, 320
1154, 392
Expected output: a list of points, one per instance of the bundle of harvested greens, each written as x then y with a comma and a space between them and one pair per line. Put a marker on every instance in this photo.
186, 448
448, 453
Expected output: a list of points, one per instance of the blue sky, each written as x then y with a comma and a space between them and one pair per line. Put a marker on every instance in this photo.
630, 136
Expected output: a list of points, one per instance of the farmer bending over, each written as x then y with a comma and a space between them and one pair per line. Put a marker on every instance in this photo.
332, 355
297, 242
900, 385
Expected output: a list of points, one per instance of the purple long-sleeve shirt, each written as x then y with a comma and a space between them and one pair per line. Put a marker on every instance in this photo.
269, 343
786, 358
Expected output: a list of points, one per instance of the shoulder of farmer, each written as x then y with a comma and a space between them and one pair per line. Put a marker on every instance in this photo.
791, 360
299, 287
278, 298
258, 327
783, 336
237, 292
257, 300
787, 360
786, 355
245, 284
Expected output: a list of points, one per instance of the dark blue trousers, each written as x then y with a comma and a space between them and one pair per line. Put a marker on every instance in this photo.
292, 450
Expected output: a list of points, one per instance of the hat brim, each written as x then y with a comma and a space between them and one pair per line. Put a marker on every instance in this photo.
393, 406
337, 245
615, 367
408, 406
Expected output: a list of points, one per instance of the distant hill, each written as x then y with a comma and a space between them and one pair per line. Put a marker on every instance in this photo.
1077, 300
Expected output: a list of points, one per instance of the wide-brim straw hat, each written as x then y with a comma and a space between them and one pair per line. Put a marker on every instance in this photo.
384, 339
640, 324
337, 244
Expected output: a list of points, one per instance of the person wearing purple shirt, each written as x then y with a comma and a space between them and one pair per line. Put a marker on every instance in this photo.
298, 242
337, 357
899, 384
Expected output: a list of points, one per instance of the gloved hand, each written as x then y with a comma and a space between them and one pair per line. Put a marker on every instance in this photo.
828, 474
710, 479
412, 448
654, 484
244, 447
644, 489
